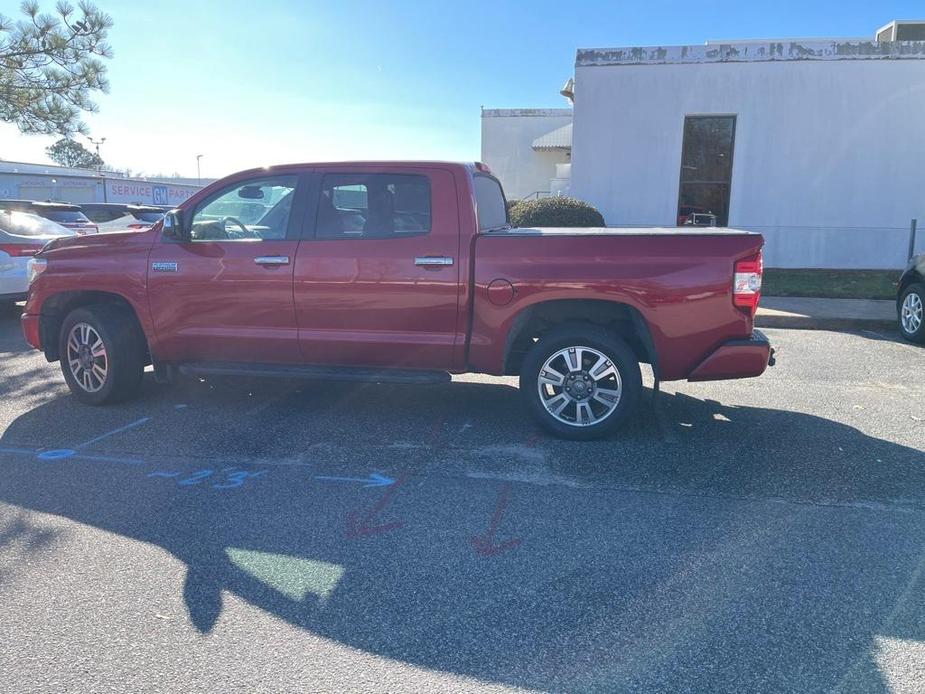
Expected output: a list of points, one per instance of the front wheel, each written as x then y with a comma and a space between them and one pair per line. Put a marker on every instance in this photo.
912, 313
580, 382
102, 354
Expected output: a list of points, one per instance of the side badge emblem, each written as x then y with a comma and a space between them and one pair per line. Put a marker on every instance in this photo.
164, 267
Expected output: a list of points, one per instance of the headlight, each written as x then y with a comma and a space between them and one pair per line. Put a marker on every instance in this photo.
34, 268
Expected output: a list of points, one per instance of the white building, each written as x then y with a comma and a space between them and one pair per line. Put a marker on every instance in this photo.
509, 146
46, 182
818, 144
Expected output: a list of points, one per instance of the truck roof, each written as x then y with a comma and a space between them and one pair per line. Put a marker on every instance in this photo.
424, 163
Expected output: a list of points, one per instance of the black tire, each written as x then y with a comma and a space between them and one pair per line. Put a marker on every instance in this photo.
124, 345
917, 335
608, 345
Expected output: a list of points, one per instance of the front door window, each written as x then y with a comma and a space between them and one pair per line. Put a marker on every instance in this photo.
254, 210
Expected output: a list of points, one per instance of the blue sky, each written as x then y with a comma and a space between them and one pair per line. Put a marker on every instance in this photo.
251, 83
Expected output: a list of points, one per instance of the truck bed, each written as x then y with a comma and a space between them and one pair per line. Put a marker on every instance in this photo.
620, 231
677, 280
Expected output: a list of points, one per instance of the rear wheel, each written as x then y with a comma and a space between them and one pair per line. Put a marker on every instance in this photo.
580, 381
102, 354
912, 313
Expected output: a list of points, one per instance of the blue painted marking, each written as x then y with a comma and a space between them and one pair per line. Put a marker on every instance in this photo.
56, 454
17, 451
108, 459
134, 424
196, 477
236, 479
375, 479
60, 453
161, 473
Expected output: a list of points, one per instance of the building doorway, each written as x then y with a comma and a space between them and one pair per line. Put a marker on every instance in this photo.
706, 170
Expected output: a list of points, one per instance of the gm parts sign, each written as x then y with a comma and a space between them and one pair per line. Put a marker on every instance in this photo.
147, 193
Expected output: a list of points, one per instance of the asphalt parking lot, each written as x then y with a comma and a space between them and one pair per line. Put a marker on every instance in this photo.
762, 535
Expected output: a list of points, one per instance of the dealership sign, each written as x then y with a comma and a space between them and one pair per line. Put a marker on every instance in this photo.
147, 193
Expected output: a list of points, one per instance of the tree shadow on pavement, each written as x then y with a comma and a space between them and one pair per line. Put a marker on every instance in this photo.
706, 548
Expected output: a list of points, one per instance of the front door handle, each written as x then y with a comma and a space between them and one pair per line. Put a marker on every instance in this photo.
272, 260
430, 260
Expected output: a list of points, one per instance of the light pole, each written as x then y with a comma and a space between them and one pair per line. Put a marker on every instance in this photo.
99, 159
99, 163
198, 173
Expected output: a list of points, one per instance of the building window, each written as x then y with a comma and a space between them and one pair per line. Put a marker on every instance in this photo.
706, 169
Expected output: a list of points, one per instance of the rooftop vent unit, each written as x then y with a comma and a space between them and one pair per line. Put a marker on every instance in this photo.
902, 30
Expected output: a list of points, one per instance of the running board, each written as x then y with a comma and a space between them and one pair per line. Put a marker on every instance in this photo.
316, 373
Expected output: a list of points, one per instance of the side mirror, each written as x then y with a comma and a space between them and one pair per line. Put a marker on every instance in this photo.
173, 226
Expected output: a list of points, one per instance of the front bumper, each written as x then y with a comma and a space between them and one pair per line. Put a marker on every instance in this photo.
736, 359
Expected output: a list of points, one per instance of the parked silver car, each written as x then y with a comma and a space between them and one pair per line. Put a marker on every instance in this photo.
22, 235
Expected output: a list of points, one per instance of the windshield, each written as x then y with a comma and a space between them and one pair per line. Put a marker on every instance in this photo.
65, 216
25, 224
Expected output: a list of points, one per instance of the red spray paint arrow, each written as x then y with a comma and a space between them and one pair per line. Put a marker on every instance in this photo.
485, 544
360, 527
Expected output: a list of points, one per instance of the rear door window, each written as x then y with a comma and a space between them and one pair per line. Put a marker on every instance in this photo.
373, 206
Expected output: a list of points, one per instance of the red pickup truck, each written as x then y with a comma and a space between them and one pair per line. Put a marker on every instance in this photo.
397, 272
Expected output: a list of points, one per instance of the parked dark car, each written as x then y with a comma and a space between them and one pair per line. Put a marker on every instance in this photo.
146, 215
63, 213
910, 301
115, 216
102, 212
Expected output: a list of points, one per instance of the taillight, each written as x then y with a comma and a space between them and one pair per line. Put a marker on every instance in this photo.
746, 283
19, 250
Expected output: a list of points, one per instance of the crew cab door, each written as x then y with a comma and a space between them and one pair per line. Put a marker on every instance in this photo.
226, 294
377, 283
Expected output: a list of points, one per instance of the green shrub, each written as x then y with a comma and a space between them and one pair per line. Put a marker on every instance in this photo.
555, 212
511, 204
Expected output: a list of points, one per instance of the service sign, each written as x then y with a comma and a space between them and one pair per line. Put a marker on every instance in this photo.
147, 193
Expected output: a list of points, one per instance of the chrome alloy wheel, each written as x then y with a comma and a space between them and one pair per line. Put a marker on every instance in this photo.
579, 386
911, 313
87, 358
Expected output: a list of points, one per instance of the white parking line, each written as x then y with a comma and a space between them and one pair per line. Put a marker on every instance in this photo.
134, 424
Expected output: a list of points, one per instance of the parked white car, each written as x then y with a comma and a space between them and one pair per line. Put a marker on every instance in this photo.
22, 235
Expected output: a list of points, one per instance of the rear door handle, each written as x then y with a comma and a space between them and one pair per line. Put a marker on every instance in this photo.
272, 260
430, 260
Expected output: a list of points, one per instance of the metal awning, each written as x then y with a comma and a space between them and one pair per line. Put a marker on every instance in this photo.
558, 139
